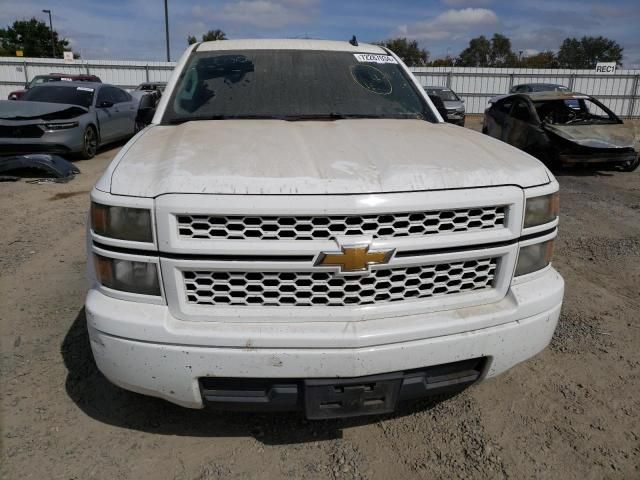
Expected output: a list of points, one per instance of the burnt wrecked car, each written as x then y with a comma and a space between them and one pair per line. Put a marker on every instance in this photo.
68, 118
562, 128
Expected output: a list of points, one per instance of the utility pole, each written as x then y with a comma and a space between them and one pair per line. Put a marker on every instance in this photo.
166, 28
53, 43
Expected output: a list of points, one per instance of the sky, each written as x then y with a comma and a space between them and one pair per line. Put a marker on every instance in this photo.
134, 30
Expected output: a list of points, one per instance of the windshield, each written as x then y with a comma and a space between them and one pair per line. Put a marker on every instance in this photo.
544, 87
40, 79
293, 85
444, 93
583, 111
82, 96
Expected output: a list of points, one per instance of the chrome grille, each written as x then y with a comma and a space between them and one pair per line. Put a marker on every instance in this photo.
322, 288
327, 227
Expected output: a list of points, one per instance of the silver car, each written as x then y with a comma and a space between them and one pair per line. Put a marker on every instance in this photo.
67, 118
452, 103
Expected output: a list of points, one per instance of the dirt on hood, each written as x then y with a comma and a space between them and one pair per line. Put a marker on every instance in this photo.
277, 157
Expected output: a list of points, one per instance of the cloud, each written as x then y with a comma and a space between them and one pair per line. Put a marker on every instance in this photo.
466, 3
452, 24
260, 13
543, 38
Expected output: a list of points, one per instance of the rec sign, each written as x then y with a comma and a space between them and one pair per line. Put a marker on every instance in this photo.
606, 68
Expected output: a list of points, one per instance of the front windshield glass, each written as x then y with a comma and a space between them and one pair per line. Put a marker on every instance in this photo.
40, 79
82, 96
545, 87
293, 85
445, 94
583, 111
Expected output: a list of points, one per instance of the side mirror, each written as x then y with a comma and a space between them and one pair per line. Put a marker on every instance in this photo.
105, 104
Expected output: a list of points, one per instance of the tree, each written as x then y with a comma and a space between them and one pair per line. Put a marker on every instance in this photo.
483, 52
33, 37
476, 54
408, 51
545, 59
500, 54
211, 35
443, 62
588, 51
214, 35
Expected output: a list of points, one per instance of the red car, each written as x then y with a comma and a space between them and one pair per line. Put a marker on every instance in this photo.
52, 77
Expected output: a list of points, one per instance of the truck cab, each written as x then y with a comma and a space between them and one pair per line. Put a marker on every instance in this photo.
299, 229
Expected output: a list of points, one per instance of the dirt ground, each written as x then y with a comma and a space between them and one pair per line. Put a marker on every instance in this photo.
572, 412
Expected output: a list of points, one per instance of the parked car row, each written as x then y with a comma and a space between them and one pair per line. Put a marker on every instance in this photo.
550, 122
73, 115
70, 118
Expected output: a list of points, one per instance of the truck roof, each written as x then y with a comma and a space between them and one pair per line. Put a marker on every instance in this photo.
289, 44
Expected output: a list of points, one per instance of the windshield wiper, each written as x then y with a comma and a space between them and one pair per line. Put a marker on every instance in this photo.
176, 121
338, 116
290, 118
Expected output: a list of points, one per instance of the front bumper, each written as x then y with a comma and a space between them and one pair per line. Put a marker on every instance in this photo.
597, 157
456, 118
60, 142
505, 333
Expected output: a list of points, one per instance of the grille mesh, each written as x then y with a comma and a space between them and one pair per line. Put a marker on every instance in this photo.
322, 288
327, 227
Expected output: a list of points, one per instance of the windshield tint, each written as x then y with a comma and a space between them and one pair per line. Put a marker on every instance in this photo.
293, 85
82, 96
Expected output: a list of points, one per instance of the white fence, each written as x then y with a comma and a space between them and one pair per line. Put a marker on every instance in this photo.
15, 72
621, 91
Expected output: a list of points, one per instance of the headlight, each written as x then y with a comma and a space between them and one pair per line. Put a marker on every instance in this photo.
539, 210
61, 126
127, 276
534, 257
123, 223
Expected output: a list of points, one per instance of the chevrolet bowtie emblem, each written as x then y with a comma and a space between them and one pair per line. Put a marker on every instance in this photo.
356, 258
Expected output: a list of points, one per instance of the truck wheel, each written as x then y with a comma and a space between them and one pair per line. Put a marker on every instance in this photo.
89, 143
631, 165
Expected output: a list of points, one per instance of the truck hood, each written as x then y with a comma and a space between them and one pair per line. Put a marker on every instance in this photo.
22, 110
317, 157
596, 136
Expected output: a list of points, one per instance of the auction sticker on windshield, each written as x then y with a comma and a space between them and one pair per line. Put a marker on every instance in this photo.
84, 89
373, 58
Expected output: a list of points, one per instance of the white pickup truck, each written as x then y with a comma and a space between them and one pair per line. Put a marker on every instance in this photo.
299, 229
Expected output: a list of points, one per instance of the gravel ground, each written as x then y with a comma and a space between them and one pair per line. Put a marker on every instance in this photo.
572, 412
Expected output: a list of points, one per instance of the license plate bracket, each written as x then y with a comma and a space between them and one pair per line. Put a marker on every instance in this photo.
338, 398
